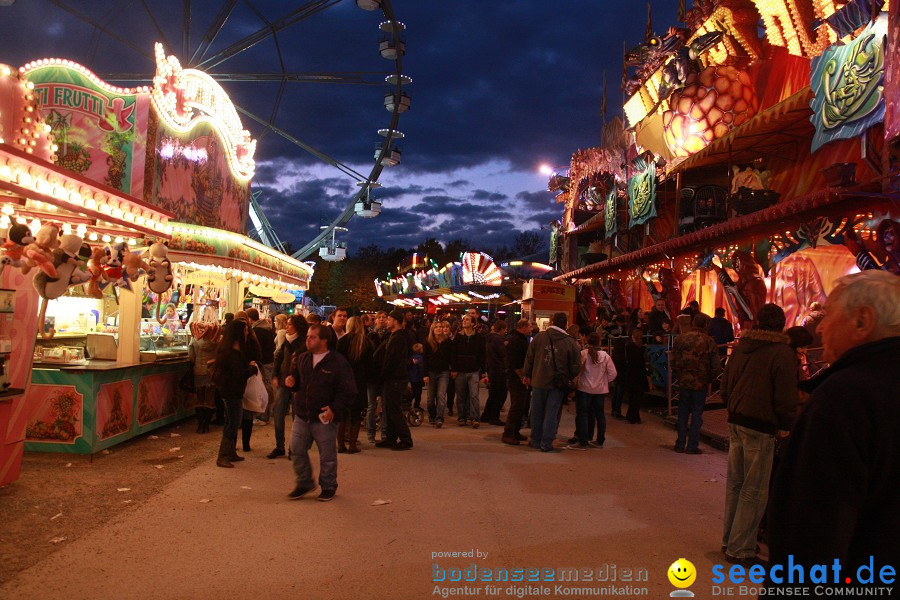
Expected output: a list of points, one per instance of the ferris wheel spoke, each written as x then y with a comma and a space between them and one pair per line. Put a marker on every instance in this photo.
215, 27
185, 28
301, 144
292, 18
345, 77
86, 19
155, 24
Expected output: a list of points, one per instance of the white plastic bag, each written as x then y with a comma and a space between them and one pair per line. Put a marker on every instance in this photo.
256, 398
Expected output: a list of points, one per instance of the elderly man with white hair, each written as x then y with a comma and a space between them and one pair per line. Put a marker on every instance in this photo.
837, 491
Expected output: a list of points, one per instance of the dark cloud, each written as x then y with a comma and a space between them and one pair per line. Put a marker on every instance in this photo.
514, 83
486, 195
536, 200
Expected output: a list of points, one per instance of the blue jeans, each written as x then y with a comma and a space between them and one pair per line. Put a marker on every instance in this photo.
468, 404
374, 390
545, 403
588, 411
690, 404
437, 394
750, 455
279, 412
303, 433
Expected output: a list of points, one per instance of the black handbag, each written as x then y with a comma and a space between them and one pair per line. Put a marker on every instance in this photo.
561, 381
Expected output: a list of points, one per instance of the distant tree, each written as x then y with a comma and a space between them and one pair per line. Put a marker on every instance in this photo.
527, 243
454, 249
432, 249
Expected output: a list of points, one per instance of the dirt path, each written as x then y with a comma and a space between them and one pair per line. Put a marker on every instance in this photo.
635, 505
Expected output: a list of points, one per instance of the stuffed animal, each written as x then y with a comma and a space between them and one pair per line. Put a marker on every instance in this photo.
134, 266
159, 275
39, 253
96, 263
115, 260
17, 238
65, 263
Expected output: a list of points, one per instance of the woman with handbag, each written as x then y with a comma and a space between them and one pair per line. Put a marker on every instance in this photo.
294, 345
201, 352
233, 367
597, 371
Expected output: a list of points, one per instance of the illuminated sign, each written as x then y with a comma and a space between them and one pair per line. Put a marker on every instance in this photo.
185, 97
610, 212
206, 279
642, 196
479, 268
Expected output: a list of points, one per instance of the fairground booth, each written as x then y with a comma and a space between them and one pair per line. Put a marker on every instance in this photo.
754, 164
125, 214
474, 280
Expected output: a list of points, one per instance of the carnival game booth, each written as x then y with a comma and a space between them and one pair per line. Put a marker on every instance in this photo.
57, 223
160, 175
755, 169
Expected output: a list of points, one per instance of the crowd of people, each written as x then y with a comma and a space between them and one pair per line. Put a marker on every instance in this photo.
838, 451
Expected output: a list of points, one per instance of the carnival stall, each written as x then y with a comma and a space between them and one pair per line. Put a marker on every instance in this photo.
475, 279
153, 185
747, 169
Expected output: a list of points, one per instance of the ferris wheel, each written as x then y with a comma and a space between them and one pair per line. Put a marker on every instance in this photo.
251, 48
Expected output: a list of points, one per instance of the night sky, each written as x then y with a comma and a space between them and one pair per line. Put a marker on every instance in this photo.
499, 87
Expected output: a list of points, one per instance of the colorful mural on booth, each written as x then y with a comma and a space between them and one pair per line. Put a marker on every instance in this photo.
191, 178
157, 397
100, 133
114, 409
848, 83
56, 414
610, 213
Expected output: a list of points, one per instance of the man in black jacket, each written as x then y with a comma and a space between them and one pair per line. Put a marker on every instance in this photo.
519, 395
495, 353
466, 365
836, 494
323, 384
395, 377
377, 337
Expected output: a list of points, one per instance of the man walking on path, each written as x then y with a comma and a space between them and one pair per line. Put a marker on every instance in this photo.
695, 364
323, 385
552, 352
377, 337
835, 495
516, 350
466, 365
495, 352
395, 377
760, 389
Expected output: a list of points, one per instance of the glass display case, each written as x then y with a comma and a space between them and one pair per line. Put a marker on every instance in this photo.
160, 343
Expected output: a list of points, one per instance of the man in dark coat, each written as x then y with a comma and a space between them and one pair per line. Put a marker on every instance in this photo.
759, 387
323, 385
519, 396
495, 353
394, 364
836, 493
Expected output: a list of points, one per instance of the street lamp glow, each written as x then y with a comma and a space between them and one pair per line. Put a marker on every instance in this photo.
545, 169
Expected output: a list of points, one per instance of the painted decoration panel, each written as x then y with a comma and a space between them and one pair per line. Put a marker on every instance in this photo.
610, 213
642, 196
192, 179
848, 83
100, 134
56, 414
115, 403
157, 396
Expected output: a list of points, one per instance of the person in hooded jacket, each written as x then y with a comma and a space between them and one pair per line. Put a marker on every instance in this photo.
294, 344
759, 387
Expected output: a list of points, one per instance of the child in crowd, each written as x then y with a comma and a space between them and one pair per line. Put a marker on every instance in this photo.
416, 374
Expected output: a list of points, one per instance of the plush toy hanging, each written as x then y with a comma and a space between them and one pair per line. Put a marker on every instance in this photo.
113, 267
97, 281
39, 253
67, 263
17, 239
159, 275
133, 267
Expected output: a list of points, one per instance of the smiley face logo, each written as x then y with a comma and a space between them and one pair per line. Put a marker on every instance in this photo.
682, 573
